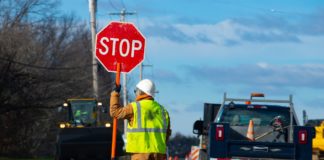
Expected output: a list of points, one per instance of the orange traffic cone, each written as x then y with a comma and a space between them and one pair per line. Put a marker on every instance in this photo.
187, 157
250, 132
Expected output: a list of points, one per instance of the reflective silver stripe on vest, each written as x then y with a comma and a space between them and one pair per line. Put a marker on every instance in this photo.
156, 130
139, 122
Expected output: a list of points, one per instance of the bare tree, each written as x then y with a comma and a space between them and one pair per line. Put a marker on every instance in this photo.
44, 58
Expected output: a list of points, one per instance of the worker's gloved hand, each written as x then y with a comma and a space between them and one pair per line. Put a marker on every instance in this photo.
117, 88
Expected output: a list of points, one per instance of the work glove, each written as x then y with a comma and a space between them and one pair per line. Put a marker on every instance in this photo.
117, 88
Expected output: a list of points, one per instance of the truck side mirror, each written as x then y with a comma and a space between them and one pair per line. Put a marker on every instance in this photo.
63, 107
198, 127
59, 109
104, 109
101, 108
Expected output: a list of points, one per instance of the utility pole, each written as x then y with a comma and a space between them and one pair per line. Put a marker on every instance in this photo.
142, 68
93, 10
122, 15
305, 117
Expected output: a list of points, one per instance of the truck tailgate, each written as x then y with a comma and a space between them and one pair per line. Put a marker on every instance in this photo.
221, 146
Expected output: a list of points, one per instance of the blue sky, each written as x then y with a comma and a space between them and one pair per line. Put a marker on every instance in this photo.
201, 49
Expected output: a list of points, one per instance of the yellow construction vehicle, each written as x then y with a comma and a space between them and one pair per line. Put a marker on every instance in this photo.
81, 112
82, 134
318, 141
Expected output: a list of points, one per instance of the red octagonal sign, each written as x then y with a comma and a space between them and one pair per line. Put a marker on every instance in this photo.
122, 43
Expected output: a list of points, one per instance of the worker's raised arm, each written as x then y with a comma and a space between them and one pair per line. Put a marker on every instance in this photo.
117, 110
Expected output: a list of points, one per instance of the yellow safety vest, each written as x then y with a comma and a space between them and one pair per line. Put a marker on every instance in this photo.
148, 131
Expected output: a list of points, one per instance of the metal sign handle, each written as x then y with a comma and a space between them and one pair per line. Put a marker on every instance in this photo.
114, 135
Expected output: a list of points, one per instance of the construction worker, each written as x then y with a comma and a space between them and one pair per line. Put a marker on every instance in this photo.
148, 127
81, 116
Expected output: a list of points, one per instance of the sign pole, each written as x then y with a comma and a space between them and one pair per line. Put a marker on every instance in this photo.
114, 135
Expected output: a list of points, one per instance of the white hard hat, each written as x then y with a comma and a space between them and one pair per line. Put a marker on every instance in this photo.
147, 86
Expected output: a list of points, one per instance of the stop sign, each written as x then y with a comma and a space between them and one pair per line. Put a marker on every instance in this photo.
122, 43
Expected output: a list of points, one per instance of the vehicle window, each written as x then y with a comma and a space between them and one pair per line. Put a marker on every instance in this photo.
260, 117
83, 111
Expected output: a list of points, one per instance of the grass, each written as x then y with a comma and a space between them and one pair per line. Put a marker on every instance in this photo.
5, 158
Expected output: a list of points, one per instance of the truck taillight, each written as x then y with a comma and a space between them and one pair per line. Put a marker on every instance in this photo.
248, 102
219, 132
302, 136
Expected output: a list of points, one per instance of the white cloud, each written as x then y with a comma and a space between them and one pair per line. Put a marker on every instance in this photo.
263, 65
228, 32
262, 74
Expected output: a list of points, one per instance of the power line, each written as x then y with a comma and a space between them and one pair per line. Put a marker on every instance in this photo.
70, 81
112, 5
45, 68
123, 4
138, 22
79, 79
